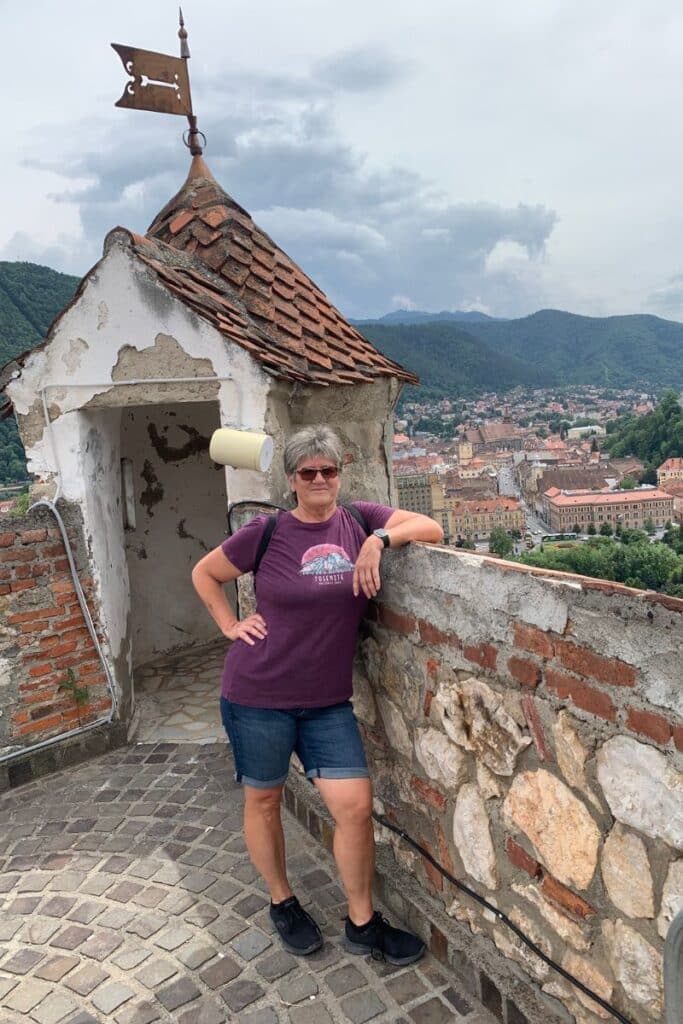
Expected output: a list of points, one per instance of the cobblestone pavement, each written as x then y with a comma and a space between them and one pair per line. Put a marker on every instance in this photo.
126, 895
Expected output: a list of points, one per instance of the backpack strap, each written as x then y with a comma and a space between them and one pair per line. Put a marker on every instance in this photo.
268, 529
271, 523
359, 517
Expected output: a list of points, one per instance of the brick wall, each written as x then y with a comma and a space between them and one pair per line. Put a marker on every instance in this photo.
527, 728
45, 646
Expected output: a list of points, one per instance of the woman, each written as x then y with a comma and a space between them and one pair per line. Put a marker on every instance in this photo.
288, 679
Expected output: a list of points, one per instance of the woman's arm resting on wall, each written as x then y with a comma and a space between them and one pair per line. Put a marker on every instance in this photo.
209, 576
402, 527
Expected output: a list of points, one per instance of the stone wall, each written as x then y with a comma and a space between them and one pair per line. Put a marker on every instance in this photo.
45, 647
525, 727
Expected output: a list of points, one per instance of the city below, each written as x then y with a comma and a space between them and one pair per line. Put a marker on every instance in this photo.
532, 465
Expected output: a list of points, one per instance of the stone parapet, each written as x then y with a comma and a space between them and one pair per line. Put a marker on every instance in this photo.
525, 727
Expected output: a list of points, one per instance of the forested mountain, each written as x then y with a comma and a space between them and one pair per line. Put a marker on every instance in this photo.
30, 298
652, 438
550, 348
449, 359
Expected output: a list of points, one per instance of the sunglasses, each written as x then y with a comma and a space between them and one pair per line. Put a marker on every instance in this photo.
309, 474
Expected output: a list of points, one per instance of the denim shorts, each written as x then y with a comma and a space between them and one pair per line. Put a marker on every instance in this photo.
326, 740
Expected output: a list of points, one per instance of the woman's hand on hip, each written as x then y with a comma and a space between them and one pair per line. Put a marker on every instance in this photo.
366, 570
250, 630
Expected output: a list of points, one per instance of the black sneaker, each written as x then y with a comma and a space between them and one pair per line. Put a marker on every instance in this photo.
297, 930
383, 941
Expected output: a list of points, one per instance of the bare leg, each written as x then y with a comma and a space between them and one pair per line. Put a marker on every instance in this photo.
265, 839
349, 801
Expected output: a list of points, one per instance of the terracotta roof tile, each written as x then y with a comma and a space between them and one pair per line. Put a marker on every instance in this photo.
235, 272
258, 270
215, 215
179, 222
313, 327
209, 252
204, 234
236, 252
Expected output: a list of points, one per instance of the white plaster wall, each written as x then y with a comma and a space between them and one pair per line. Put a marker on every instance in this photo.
99, 433
180, 509
123, 309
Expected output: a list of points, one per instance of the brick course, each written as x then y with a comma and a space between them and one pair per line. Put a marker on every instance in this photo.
580, 693
48, 634
649, 724
587, 663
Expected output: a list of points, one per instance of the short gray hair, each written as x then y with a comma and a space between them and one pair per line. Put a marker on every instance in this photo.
310, 441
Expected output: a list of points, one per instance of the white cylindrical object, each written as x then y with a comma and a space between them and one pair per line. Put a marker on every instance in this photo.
242, 449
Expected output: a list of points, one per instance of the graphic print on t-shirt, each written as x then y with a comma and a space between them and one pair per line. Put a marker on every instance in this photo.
326, 562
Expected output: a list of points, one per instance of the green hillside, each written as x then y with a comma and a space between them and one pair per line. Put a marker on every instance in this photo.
448, 359
30, 298
549, 347
613, 351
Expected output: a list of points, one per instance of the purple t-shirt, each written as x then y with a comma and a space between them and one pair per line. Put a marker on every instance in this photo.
304, 593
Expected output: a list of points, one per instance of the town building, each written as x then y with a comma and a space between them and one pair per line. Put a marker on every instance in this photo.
595, 430
414, 492
675, 489
672, 469
490, 437
630, 509
474, 519
537, 478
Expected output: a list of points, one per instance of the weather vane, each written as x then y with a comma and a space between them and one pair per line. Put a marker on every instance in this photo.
161, 83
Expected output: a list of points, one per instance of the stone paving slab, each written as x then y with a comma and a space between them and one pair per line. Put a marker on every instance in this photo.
127, 896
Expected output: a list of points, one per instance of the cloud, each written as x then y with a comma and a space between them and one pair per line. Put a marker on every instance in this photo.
361, 70
667, 301
366, 235
59, 254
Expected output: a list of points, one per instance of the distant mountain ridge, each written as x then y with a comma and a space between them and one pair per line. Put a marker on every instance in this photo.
548, 348
452, 351
418, 316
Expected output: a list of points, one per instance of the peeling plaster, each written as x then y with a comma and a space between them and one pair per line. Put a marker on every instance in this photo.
72, 358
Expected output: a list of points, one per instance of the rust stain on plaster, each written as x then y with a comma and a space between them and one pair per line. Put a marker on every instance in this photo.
154, 492
195, 444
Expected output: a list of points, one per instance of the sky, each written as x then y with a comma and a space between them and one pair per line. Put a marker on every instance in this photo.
447, 154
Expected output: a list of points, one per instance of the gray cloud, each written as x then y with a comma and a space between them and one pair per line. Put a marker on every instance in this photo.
667, 301
361, 70
365, 235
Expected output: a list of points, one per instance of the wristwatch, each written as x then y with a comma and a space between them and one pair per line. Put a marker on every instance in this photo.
383, 536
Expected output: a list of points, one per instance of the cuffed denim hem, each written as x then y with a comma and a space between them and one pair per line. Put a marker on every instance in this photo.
337, 773
259, 783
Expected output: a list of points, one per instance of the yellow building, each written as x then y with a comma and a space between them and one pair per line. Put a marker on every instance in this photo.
474, 519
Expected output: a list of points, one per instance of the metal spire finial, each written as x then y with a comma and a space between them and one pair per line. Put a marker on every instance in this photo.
182, 35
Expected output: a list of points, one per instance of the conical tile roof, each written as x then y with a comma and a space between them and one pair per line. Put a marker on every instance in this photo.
297, 331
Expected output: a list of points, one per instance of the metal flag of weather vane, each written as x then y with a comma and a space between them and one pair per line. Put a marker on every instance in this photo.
161, 83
